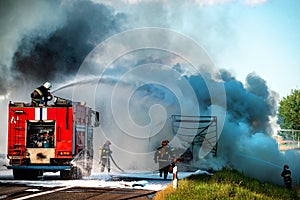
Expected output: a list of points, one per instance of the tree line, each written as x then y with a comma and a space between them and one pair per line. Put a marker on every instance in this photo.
289, 111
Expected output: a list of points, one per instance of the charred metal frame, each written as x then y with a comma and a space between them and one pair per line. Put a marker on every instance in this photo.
206, 130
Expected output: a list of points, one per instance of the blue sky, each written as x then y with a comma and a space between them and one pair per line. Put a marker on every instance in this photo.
240, 36
268, 43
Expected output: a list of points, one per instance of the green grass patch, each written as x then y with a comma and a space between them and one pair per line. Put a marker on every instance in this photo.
225, 184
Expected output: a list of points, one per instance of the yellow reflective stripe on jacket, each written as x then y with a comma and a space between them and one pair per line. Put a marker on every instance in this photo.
39, 91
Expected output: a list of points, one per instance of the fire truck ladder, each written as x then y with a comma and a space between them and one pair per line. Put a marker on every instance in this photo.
19, 137
203, 130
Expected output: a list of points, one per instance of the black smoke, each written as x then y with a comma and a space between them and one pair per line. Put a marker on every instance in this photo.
53, 49
253, 103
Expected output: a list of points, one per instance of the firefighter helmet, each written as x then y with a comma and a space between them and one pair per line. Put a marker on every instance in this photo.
285, 167
164, 142
47, 85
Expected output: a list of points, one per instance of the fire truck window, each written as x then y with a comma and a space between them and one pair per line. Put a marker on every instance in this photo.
40, 135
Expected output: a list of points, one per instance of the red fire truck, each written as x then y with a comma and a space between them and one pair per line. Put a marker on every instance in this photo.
51, 138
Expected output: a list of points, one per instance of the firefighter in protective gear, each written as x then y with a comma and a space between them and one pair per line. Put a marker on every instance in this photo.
286, 174
163, 156
105, 154
41, 95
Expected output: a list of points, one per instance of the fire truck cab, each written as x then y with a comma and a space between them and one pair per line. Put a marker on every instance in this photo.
51, 138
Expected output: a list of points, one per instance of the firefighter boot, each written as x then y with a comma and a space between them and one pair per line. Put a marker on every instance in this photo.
165, 175
166, 171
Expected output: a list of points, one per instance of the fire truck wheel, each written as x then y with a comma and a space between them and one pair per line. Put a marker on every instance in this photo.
65, 174
76, 173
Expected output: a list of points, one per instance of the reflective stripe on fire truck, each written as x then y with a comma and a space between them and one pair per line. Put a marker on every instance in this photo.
40, 114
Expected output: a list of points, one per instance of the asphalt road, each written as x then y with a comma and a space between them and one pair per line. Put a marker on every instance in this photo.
98, 186
19, 192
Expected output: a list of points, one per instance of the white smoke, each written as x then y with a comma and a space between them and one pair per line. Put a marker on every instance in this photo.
245, 142
246, 137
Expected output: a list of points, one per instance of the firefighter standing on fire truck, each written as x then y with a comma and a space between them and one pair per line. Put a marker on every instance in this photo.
105, 154
164, 156
41, 95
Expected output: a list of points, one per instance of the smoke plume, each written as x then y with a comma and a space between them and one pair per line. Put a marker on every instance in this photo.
49, 40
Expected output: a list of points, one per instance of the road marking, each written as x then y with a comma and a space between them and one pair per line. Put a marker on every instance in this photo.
43, 193
3, 196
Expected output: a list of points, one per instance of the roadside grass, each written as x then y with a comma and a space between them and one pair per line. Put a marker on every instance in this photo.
225, 184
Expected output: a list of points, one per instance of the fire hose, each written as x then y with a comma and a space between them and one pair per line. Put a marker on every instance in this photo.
116, 164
